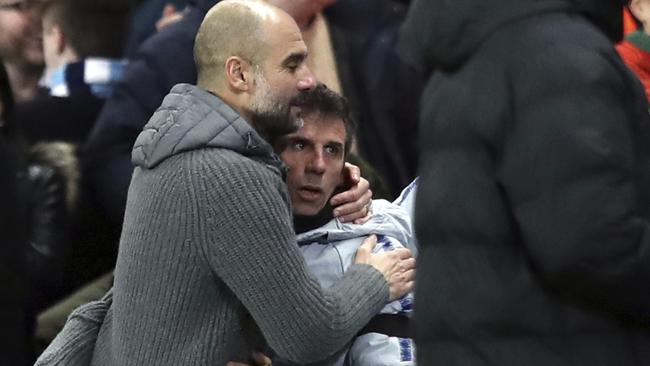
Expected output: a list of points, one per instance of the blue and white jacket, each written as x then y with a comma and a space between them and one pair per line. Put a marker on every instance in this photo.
330, 249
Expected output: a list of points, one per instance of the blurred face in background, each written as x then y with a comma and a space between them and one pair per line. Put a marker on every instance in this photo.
641, 10
302, 10
20, 32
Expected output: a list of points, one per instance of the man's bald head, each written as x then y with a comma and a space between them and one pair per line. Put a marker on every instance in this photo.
252, 56
232, 28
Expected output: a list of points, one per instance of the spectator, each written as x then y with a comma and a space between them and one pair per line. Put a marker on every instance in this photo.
41, 189
161, 62
635, 49
83, 43
21, 48
314, 156
533, 210
147, 16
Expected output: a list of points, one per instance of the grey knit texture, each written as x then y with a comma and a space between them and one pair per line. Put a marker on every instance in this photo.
208, 267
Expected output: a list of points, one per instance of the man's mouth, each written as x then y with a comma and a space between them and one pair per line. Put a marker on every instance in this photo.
35, 40
310, 193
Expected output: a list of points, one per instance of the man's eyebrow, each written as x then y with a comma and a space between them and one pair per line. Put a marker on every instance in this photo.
335, 144
296, 57
298, 139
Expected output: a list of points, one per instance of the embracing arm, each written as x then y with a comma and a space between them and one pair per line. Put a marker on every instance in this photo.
250, 245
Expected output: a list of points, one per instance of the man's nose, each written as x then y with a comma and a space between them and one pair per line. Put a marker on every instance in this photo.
307, 80
33, 11
316, 164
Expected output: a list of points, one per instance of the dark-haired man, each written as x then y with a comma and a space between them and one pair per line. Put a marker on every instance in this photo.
315, 155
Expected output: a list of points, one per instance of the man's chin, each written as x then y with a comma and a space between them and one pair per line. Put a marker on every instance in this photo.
307, 210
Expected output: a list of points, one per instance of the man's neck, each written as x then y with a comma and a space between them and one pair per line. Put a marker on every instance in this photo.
24, 80
303, 224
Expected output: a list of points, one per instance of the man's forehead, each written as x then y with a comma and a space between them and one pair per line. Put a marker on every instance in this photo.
318, 125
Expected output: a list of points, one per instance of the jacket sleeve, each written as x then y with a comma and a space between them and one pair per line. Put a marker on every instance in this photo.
574, 169
251, 246
48, 230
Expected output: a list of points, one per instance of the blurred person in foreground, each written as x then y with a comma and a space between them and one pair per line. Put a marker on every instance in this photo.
208, 269
534, 194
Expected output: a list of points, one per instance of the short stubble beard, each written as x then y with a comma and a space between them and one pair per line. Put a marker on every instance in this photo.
271, 117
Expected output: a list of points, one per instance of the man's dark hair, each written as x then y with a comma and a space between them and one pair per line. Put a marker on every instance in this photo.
93, 28
328, 103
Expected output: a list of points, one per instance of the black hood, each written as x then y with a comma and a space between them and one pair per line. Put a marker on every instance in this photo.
442, 34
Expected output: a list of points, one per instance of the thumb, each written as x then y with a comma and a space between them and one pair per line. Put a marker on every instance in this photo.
261, 359
353, 173
168, 10
365, 249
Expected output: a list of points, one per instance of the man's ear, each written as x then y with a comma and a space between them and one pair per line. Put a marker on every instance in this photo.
636, 8
239, 74
61, 41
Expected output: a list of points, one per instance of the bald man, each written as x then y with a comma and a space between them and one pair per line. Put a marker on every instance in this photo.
208, 269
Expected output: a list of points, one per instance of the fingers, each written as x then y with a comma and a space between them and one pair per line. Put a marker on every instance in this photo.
354, 210
352, 173
363, 253
403, 253
408, 287
169, 16
356, 191
407, 264
403, 286
168, 10
399, 289
261, 359
258, 358
409, 275
364, 219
